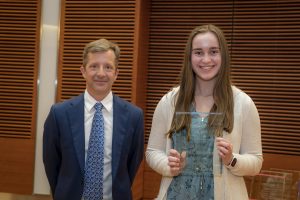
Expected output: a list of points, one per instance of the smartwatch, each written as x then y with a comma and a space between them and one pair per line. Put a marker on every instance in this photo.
233, 162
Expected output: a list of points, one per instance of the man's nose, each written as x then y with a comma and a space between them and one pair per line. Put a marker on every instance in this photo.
100, 70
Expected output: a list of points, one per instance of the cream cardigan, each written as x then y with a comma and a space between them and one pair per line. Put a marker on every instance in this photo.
245, 137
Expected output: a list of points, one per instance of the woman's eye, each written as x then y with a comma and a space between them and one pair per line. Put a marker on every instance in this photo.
214, 52
199, 53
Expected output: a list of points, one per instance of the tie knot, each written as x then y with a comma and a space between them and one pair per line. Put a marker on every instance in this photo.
98, 106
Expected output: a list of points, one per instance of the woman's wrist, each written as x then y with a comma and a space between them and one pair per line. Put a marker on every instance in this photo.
232, 161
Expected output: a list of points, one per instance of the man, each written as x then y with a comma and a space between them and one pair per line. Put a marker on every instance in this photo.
69, 127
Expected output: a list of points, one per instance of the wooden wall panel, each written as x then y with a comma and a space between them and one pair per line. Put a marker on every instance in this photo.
151, 183
19, 58
265, 64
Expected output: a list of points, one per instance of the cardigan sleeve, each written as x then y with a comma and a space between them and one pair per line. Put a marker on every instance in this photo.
249, 156
159, 143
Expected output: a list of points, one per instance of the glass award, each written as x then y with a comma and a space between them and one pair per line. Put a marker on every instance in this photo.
197, 143
268, 185
291, 184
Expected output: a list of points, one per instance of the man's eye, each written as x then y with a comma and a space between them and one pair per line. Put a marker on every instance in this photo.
108, 67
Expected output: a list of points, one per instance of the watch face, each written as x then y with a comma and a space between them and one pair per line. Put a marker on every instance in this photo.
233, 162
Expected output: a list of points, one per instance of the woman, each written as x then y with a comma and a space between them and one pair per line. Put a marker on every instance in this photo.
235, 145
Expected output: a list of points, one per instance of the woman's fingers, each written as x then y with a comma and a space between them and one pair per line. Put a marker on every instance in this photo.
225, 149
176, 161
174, 153
173, 161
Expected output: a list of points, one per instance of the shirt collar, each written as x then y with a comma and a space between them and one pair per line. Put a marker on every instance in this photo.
89, 101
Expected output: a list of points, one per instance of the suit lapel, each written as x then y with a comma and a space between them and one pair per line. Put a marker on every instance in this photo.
120, 116
76, 116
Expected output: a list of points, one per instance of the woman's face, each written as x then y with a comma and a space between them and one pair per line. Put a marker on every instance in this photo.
206, 56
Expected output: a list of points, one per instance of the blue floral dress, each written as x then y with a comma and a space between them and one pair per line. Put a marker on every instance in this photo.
196, 180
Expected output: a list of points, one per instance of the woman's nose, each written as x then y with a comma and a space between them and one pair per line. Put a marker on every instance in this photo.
206, 58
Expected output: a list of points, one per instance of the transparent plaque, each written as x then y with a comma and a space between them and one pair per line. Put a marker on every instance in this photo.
268, 185
291, 189
198, 144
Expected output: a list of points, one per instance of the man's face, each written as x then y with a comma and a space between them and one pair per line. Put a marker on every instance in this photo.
100, 73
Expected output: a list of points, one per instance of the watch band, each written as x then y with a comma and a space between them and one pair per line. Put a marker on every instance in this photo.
233, 162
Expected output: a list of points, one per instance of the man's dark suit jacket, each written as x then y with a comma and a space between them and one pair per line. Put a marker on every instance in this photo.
64, 151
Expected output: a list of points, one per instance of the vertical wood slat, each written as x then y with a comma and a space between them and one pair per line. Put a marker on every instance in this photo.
19, 30
139, 75
19, 58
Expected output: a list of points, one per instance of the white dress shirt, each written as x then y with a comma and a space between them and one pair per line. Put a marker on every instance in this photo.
107, 112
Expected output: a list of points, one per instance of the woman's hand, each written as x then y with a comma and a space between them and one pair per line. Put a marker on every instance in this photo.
225, 150
176, 161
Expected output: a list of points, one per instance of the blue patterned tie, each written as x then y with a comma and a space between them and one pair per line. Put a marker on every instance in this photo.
93, 177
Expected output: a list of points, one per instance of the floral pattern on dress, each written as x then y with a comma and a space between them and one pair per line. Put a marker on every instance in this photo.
196, 180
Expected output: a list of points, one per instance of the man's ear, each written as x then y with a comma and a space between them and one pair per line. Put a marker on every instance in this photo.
82, 69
